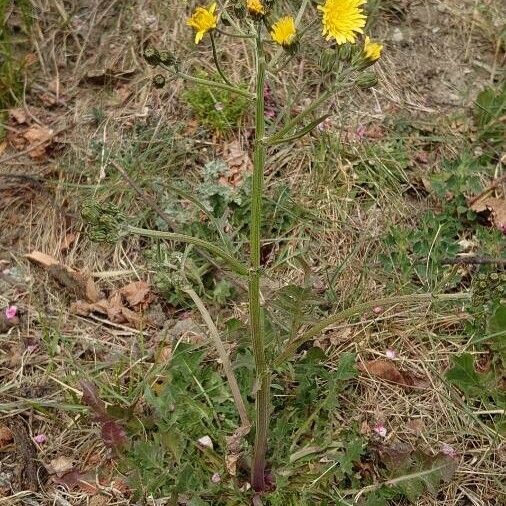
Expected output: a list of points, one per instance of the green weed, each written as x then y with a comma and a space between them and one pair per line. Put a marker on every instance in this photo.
216, 109
11, 63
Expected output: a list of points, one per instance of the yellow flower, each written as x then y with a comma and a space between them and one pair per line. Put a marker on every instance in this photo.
342, 18
255, 7
283, 31
372, 50
203, 20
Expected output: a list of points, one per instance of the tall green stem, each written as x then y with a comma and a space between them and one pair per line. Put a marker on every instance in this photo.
257, 331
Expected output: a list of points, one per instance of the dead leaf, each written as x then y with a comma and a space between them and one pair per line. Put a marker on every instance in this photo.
422, 157
234, 448
131, 317
137, 293
238, 162
113, 435
18, 115
416, 426
387, 370
60, 466
27, 468
92, 399
68, 241
98, 500
205, 442
115, 308
78, 283
7, 323
38, 138
42, 259
496, 207
75, 478
6, 436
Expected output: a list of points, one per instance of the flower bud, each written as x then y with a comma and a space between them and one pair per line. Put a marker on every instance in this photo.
167, 58
256, 8
367, 80
152, 56
105, 222
345, 52
239, 10
328, 58
158, 81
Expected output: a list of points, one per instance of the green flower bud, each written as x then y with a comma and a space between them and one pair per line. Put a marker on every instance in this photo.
239, 10
345, 52
293, 48
104, 222
328, 58
483, 285
167, 58
367, 80
152, 56
158, 81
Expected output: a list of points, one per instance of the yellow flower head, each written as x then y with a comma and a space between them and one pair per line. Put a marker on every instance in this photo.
283, 31
255, 7
372, 50
342, 18
203, 20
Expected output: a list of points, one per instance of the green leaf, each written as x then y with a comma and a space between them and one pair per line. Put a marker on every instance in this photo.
353, 451
346, 368
497, 322
463, 375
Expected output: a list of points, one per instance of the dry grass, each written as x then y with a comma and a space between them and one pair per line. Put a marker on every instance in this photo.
448, 51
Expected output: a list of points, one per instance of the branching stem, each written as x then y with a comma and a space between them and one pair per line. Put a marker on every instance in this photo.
292, 346
233, 263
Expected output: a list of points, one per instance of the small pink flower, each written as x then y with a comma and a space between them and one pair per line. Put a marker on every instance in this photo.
377, 310
391, 354
31, 348
216, 478
449, 450
11, 312
380, 429
40, 438
360, 131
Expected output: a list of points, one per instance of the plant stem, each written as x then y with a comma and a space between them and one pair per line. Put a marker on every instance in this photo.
217, 62
256, 324
222, 353
292, 346
234, 264
208, 82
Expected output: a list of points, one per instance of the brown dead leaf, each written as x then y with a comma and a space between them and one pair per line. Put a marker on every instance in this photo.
60, 466
6, 436
39, 138
387, 370
7, 323
81, 285
75, 478
68, 241
132, 318
18, 115
137, 294
239, 164
234, 448
416, 426
98, 500
496, 207
42, 259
